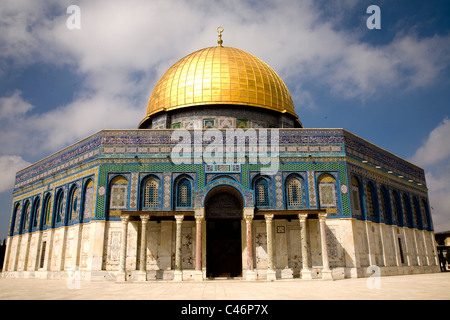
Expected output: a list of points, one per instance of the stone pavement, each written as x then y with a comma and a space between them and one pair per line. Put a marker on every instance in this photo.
410, 287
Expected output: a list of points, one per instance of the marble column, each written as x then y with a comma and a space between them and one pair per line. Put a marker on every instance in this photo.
248, 216
199, 216
271, 274
305, 272
178, 274
142, 276
326, 272
121, 276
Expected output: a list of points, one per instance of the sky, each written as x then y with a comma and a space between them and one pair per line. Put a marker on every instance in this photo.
65, 74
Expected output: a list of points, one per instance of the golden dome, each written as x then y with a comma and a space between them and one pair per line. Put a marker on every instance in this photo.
220, 75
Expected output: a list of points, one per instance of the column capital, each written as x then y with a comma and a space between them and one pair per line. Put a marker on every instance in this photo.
199, 214
125, 218
179, 218
145, 217
268, 217
302, 216
322, 216
249, 214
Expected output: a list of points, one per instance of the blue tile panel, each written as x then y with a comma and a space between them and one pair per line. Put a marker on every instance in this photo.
308, 153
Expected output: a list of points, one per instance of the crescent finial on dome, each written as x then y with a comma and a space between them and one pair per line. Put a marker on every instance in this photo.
220, 30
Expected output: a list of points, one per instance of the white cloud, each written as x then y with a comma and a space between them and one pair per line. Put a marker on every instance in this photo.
13, 106
437, 146
121, 37
9, 165
438, 183
434, 156
43, 133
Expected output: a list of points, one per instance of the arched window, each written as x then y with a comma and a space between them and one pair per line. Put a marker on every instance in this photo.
406, 211
385, 210
17, 214
88, 202
396, 212
26, 217
118, 193
294, 192
35, 212
151, 193
416, 213
262, 198
327, 191
184, 193
356, 196
371, 200
46, 210
73, 203
425, 214
59, 206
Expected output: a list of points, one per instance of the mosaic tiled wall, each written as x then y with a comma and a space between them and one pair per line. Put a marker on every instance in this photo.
135, 152
154, 143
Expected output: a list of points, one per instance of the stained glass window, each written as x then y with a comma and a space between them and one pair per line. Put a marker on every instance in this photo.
294, 192
356, 196
406, 210
262, 193
395, 211
184, 193
151, 193
370, 197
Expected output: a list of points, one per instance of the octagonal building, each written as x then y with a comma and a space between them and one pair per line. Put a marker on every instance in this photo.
220, 180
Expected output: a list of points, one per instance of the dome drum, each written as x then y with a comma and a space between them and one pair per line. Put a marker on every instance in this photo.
220, 117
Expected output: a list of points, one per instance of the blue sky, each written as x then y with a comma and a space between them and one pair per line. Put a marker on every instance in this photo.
389, 86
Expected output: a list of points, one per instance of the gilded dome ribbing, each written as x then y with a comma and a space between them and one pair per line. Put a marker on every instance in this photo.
217, 76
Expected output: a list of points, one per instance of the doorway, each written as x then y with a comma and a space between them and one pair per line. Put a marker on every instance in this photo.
223, 236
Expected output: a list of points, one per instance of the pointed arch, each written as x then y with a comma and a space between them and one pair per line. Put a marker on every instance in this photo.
326, 185
385, 209
150, 192
88, 201
425, 214
372, 201
406, 209
16, 218
294, 187
46, 211
118, 193
417, 215
73, 203
25, 223
396, 208
183, 192
262, 191
35, 213
58, 210
356, 195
